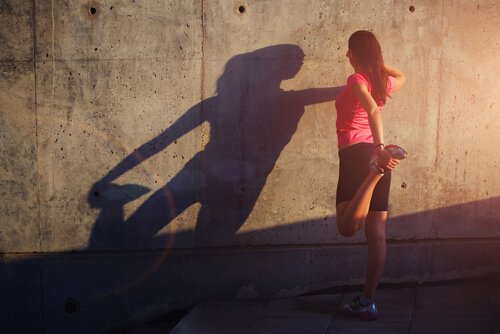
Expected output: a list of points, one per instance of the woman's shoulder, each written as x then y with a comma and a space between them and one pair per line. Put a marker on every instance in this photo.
357, 78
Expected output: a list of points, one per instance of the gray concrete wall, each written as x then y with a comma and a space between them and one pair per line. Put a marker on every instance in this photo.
155, 153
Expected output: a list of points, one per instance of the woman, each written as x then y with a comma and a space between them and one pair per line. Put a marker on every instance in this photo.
365, 162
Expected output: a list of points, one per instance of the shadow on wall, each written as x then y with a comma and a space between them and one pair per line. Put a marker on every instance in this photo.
476, 220
251, 121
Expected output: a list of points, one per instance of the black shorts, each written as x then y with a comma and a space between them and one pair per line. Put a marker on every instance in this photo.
354, 167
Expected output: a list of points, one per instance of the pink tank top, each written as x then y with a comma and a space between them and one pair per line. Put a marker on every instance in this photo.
352, 119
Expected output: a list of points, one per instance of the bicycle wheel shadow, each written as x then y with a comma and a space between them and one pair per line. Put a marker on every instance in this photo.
251, 120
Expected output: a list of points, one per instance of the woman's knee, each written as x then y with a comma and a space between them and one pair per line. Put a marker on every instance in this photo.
348, 229
375, 227
376, 238
347, 232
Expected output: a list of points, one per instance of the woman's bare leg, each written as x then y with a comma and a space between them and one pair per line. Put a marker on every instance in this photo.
351, 215
375, 235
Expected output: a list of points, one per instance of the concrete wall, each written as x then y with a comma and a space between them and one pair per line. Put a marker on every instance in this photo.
154, 153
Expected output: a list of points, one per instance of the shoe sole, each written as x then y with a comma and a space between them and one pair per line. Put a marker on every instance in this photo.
364, 316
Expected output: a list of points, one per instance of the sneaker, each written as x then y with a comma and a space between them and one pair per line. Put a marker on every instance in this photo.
396, 151
365, 312
375, 166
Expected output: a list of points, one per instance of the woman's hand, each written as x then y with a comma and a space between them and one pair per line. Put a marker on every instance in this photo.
385, 160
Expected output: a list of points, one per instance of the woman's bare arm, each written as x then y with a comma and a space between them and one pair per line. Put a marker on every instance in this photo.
397, 74
375, 120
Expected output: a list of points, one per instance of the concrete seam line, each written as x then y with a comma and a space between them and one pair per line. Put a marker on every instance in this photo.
42, 292
438, 120
264, 248
36, 132
53, 91
202, 88
255, 318
413, 309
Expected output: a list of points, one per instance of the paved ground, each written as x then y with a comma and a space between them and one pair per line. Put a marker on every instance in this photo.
471, 306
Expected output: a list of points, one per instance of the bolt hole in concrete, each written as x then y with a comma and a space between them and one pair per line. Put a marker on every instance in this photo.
90, 9
411, 9
403, 185
241, 9
71, 306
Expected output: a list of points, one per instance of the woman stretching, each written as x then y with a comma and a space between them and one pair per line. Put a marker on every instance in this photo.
365, 162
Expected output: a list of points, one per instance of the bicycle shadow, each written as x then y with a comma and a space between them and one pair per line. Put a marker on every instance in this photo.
251, 120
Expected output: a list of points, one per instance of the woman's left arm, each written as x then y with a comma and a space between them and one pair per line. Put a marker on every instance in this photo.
375, 120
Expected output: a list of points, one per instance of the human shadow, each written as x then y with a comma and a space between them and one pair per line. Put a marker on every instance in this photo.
251, 120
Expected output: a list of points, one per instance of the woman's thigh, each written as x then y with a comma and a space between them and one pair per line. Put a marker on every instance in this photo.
341, 209
353, 170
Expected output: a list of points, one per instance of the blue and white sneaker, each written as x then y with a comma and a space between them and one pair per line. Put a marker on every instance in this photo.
357, 309
396, 151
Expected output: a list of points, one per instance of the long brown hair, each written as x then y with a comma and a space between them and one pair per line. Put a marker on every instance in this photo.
367, 53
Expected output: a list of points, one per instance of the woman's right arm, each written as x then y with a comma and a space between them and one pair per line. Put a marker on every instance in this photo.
398, 75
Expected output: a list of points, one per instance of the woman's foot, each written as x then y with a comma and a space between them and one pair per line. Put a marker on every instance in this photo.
366, 310
396, 152
375, 166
